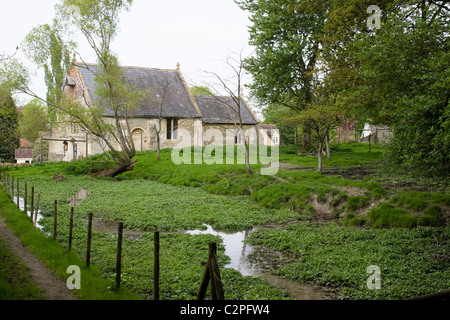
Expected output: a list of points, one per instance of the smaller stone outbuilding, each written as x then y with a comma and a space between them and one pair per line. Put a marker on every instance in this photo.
24, 156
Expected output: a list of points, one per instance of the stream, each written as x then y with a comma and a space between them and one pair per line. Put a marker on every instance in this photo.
257, 261
22, 208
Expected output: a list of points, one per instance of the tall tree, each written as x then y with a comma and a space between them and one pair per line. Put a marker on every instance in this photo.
201, 91
323, 114
9, 138
286, 35
233, 86
98, 21
282, 116
398, 75
34, 118
45, 46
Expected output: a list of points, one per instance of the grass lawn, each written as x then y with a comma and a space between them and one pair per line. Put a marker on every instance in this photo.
337, 224
15, 280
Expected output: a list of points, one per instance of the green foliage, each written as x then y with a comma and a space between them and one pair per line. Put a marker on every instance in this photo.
201, 91
387, 216
148, 203
417, 201
37, 150
219, 195
9, 138
279, 115
77, 168
410, 261
33, 120
432, 217
44, 45
15, 280
404, 83
286, 52
357, 203
56, 257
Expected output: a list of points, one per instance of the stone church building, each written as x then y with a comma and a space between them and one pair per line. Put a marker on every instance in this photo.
180, 110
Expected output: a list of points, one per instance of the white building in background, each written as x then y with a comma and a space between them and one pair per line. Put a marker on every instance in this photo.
375, 133
24, 156
269, 135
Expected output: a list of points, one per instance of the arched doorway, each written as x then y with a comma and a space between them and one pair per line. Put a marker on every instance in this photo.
138, 135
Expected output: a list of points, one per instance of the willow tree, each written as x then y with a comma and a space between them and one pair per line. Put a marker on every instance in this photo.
97, 21
45, 46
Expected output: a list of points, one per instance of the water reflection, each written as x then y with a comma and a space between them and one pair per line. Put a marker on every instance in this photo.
258, 261
22, 208
79, 197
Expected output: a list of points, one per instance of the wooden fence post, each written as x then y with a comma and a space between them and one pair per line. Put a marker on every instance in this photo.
119, 256
156, 267
25, 204
12, 188
55, 221
216, 278
204, 285
212, 274
18, 194
211, 271
32, 203
37, 209
70, 228
89, 239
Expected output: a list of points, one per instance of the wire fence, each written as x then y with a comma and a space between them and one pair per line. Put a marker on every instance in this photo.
212, 275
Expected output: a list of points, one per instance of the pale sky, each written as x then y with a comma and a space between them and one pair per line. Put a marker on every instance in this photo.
199, 34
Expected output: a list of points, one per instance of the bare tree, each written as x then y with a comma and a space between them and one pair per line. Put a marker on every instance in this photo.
163, 93
234, 88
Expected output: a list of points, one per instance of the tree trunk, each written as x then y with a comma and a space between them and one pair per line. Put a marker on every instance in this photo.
307, 138
158, 139
120, 168
327, 137
247, 158
319, 156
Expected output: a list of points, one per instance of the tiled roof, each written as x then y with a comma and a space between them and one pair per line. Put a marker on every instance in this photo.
268, 126
223, 110
24, 143
178, 105
24, 153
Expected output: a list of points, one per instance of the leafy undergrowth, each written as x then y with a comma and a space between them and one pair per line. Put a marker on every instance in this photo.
407, 210
413, 262
159, 195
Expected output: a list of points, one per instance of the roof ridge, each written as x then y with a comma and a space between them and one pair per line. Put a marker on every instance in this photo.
129, 67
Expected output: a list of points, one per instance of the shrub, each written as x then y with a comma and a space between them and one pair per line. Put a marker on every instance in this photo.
356, 203
432, 217
387, 216
77, 168
351, 220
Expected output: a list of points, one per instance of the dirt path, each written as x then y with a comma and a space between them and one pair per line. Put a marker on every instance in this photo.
54, 288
